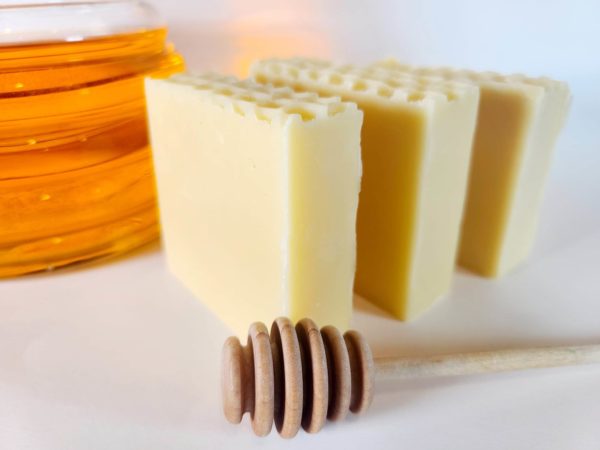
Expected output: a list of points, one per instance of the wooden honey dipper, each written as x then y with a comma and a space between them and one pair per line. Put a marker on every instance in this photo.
303, 375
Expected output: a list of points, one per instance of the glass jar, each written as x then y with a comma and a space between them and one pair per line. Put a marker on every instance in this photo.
76, 178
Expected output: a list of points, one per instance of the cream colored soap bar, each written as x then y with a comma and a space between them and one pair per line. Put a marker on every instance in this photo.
258, 191
416, 147
518, 123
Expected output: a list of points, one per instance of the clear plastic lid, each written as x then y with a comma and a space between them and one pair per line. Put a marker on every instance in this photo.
23, 22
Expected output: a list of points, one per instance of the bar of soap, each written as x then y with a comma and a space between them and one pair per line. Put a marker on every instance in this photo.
258, 192
416, 146
518, 123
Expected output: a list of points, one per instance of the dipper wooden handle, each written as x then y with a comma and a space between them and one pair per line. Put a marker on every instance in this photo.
302, 376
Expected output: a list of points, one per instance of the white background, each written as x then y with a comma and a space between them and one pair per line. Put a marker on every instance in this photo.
119, 356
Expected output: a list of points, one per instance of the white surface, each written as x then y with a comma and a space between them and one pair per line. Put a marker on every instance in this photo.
555, 37
119, 356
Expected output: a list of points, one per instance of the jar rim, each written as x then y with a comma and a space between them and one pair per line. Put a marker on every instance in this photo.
18, 4
28, 22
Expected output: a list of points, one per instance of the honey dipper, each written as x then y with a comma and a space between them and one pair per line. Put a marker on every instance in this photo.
303, 375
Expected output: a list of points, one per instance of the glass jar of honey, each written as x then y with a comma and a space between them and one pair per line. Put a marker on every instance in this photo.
76, 178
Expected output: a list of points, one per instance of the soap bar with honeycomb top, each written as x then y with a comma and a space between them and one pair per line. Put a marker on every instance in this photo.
416, 146
518, 124
258, 192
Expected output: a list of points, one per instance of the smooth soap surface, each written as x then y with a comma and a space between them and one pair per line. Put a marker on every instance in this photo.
258, 193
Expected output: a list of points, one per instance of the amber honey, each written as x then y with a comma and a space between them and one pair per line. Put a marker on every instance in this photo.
76, 178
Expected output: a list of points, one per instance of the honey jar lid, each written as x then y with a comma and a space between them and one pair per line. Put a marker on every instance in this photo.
24, 21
